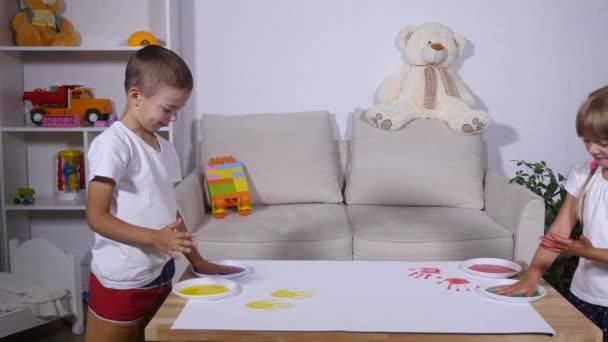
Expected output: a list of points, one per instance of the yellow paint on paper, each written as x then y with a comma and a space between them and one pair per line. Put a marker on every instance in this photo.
271, 305
203, 290
293, 294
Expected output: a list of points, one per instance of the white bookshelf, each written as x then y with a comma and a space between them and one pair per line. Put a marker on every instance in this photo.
28, 153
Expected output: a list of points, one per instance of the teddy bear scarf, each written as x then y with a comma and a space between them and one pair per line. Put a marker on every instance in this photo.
430, 84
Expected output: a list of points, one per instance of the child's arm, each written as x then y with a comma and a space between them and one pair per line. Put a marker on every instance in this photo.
200, 264
544, 257
581, 247
99, 200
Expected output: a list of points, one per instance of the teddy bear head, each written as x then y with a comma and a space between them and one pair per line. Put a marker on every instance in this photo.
52, 5
430, 43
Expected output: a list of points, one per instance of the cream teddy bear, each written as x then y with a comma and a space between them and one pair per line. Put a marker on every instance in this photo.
424, 87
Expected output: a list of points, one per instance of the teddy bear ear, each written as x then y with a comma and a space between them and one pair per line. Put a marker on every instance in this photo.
404, 35
460, 42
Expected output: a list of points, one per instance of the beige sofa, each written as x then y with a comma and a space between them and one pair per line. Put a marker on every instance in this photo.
420, 193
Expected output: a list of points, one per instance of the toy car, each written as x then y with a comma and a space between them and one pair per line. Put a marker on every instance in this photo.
25, 196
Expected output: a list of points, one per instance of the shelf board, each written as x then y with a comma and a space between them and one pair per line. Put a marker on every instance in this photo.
47, 203
9, 48
59, 129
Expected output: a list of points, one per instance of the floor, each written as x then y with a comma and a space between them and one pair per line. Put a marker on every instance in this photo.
57, 331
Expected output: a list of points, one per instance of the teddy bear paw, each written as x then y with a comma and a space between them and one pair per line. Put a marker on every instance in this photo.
380, 119
383, 121
475, 125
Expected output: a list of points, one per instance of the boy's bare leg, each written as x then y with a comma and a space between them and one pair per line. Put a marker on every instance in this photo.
99, 330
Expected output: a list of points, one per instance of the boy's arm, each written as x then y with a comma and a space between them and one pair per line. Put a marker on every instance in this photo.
101, 221
200, 264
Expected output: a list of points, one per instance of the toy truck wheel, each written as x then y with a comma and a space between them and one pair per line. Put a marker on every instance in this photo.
93, 115
17, 201
36, 116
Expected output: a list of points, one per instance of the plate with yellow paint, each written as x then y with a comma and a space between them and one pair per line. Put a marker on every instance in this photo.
203, 289
244, 269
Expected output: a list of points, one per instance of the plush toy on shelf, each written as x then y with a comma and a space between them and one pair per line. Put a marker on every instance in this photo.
425, 87
39, 24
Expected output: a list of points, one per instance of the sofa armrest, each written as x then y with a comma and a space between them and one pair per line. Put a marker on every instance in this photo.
191, 199
519, 210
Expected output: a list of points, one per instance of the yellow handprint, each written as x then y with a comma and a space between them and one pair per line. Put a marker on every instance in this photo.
270, 304
295, 294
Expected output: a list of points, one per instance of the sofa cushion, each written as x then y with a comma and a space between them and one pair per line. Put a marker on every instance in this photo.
288, 158
426, 233
292, 231
422, 164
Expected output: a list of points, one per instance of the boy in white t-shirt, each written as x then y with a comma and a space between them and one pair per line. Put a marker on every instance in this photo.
131, 204
587, 202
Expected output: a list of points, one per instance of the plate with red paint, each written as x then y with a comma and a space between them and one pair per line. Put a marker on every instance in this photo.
490, 267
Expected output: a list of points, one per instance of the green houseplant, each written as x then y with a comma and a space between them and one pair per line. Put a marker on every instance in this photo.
541, 180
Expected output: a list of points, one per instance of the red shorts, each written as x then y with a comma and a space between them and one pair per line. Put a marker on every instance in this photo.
129, 305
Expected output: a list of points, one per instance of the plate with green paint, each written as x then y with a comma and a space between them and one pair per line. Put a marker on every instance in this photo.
517, 298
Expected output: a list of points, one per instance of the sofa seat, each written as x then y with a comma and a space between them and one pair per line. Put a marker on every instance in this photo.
291, 231
426, 233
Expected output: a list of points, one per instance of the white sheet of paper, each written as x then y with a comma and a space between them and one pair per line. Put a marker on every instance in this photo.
364, 296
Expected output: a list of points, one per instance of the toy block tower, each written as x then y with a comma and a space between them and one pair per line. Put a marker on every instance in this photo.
227, 186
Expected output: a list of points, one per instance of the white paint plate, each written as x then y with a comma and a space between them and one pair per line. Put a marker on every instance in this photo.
490, 267
246, 270
206, 283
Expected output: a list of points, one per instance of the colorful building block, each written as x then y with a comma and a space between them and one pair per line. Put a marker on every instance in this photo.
61, 121
227, 186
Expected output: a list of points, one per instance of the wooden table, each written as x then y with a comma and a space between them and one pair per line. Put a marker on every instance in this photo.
569, 324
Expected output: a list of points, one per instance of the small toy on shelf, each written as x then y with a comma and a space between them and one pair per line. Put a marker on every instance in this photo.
108, 123
142, 38
62, 121
227, 186
67, 100
25, 196
39, 24
70, 174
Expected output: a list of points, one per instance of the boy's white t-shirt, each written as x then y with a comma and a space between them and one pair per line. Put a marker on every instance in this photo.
590, 281
143, 196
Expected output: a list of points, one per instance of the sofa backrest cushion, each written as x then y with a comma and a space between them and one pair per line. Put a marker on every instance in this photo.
288, 158
422, 164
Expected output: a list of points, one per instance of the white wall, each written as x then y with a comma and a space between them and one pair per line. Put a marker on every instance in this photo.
530, 63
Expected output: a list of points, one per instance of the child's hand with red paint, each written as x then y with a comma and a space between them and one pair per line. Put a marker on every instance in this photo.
555, 243
580, 247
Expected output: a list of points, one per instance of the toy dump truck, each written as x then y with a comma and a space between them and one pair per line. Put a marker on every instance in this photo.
67, 100
227, 186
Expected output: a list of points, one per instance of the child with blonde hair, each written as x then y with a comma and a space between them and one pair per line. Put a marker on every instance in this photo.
587, 202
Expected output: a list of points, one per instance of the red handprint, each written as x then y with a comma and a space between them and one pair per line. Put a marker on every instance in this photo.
457, 282
425, 272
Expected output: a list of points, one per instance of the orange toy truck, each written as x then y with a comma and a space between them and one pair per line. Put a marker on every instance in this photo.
67, 100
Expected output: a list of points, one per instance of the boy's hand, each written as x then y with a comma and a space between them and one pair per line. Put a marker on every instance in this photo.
206, 267
172, 241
